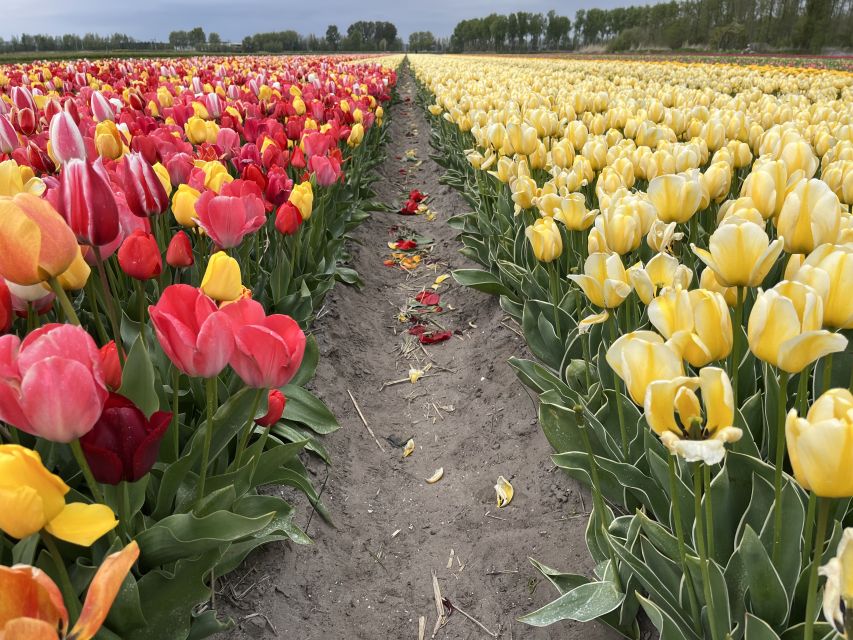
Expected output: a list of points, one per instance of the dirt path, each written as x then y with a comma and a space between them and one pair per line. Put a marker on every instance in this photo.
469, 416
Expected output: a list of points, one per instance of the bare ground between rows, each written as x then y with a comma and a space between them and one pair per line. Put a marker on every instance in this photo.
469, 415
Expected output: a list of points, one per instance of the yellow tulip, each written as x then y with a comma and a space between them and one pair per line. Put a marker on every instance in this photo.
700, 321
573, 213
522, 138
838, 590
222, 280
642, 357
108, 140
356, 135
766, 186
621, 228
820, 446
784, 327
15, 179
798, 155
183, 205
708, 280
302, 197
604, 280
196, 130
75, 277
740, 253
163, 176
829, 270
545, 239
662, 235
673, 411
718, 180
676, 197
743, 207
32, 499
661, 271
215, 174
810, 216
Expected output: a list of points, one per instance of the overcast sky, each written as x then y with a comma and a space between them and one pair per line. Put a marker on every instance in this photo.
233, 19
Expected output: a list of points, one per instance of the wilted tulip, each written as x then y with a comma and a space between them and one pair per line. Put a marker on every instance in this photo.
123, 445
838, 590
545, 239
810, 216
222, 280
604, 280
268, 350
642, 357
87, 202
195, 335
820, 445
741, 253
35, 242
784, 327
673, 411
32, 499
139, 256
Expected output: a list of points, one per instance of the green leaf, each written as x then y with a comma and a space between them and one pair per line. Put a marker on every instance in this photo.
207, 624
583, 603
669, 629
482, 281
757, 629
309, 363
563, 582
538, 377
767, 595
305, 408
137, 381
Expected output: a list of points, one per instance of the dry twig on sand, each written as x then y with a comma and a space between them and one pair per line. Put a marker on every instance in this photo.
364, 421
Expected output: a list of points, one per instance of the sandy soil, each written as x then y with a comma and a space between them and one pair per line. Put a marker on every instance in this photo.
370, 576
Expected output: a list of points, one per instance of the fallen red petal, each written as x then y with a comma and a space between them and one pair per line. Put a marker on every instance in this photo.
435, 336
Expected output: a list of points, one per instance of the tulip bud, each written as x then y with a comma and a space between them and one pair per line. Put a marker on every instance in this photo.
111, 365
302, 197
65, 139
356, 135
183, 205
288, 219
139, 256
275, 408
545, 239
222, 279
87, 202
142, 187
180, 252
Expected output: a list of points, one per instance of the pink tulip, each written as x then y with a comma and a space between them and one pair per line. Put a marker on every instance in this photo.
236, 212
51, 384
327, 170
142, 188
101, 107
87, 202
196, 336
268, 350
8, 136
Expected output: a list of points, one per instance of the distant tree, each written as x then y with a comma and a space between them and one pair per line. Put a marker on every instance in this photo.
333, 37
197, 39
214, 40
421, 41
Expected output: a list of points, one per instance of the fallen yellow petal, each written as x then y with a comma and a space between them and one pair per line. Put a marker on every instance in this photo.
439, 473
415, 375
439, 280
504, 492
409, 449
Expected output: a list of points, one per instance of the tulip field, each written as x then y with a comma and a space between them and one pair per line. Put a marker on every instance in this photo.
669, 242
674, 240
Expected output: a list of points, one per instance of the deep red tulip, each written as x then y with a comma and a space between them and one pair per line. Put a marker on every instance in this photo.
52, 384
87, 202
297, 158
123, 444
65, 139
288, 219
268, 350
7, 313
142, 188
139, 256
111, 365
278, 186
180, 252
146, 146
275, 407
196, 336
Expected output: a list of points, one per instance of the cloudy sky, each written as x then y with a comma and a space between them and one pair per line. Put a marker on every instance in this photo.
233, 19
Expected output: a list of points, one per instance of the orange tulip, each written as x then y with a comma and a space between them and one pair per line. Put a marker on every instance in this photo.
36, 244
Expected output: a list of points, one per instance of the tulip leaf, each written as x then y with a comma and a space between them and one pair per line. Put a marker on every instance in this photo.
24, 550
668, 571
563, 582
206, 624
767, 596
126, 612
559, 424
183, 535
822, 631
137, 381
538, 377
790, 553
583, 603
305, 408
482, 281
309, 363
667, 627
758, 629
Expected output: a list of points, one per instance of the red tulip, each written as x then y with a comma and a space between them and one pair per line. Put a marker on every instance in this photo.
139, 256
87, 202
142, 188
288, 219
228, 218
7, 313
196, 336
111, 365
24, 120
180, 252
51, 384
65, 139
278, 186
275, 407
268, 350
123, 444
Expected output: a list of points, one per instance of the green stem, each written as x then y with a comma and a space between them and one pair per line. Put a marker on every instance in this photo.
176, 424
780, 462
734, 363
823, 505
64, 579
827, 373
700, 546
679, 534
64, 302
709, 511
810, 520
96, 313
250, 425
140, 301
124, 511
803, 391
554, 277
597, 498
617, 386
109, 303
210, 394
80, 457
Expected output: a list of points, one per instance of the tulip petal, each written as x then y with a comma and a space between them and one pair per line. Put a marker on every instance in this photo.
29, 591
20, 239
21, 511
29, 629
103, 591
82, 524
718, 398
799, 352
